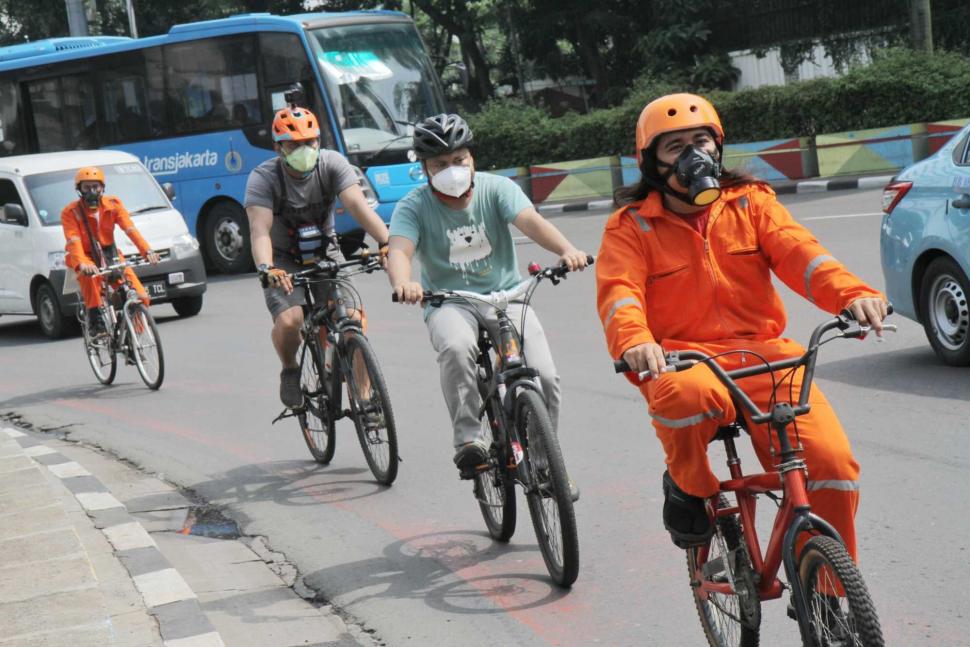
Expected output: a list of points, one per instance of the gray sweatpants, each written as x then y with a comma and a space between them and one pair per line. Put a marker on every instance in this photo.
454, 335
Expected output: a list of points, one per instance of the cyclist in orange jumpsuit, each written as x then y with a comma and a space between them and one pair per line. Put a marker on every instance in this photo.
686, 263
95, 214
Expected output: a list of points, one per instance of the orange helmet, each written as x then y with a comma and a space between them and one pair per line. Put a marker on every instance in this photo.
295, 124
675, 112
88, 174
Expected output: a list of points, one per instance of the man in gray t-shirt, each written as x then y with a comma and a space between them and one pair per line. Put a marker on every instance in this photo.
289, 201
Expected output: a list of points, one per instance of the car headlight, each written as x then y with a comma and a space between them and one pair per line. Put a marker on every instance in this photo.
184, 245
56, 260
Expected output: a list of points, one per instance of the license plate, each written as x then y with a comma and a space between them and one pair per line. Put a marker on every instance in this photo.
156, 289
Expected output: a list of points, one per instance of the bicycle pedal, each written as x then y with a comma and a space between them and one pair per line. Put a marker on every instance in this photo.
469, 474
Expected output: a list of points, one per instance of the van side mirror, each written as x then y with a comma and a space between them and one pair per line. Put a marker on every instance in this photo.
14, 214
169, 190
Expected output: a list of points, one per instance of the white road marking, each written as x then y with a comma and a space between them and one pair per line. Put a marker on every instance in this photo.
845, 215
163, 587
68, 470
202, 640
13, 433
128, 535
39, 450
94, 501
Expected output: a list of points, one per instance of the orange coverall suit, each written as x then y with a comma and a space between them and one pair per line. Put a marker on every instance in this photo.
79, 249
659, 281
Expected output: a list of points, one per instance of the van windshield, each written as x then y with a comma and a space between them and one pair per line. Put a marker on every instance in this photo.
129, 182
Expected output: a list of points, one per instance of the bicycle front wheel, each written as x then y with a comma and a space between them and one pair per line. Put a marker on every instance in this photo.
839, 607
101, 355
316, 418
729, 620
371, 408
547, 489
146, 345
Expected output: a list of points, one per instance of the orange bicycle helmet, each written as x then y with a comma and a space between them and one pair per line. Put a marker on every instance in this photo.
88, 174
295, 124
675, 112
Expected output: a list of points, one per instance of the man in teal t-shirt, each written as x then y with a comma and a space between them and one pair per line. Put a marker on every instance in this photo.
458, 225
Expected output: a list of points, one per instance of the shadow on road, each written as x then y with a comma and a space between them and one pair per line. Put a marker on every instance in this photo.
88, 392
25, 331
913, 371
428, 567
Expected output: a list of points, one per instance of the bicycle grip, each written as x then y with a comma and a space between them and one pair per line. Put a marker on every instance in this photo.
394, 297
620, 366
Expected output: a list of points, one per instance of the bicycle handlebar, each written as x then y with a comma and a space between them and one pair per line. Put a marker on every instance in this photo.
536, 274
119, 266
683, 360
328, 266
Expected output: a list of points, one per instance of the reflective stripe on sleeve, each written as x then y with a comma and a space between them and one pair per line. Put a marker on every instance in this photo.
680, 423
818, 260
619, 303
845, 486
643, 223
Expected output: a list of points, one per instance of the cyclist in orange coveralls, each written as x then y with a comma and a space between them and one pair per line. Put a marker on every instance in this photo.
95, 214
686, 263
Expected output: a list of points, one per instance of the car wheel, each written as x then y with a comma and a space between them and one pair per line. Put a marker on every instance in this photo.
945, 310
187, 306
53, 323
227, 239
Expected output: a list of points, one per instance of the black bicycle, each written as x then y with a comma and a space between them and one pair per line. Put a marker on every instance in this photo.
129, 331
525, 448
335, 351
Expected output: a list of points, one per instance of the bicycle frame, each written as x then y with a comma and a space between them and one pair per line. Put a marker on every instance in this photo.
113, 316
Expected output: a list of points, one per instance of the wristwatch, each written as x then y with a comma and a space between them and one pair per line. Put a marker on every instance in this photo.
262, 268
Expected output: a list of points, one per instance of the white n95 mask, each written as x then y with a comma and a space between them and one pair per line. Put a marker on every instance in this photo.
453, 181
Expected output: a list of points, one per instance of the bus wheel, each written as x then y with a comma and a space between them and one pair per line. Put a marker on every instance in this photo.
227, 239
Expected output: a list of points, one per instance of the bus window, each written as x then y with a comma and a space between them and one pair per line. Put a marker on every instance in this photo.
11, 127
284, 63
80, 118
129, 88
45, 103
212, 84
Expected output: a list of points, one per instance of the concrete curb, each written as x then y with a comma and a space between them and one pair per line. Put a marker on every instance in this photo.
181, 620
781, 188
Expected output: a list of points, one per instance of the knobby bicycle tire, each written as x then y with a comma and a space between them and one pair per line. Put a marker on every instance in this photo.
373, 416
145, 344
101, 356
316, 418
550, 503
725, 620
823, 567
495, 488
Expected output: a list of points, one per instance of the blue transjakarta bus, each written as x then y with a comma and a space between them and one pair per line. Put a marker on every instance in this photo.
195, 105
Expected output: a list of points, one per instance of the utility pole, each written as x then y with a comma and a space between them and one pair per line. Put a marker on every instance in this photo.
921, 25
77, 21
132, 27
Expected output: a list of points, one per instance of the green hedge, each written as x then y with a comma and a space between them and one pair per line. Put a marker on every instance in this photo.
898, 87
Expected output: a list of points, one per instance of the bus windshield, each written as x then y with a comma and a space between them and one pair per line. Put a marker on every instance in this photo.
380, 81
130, 182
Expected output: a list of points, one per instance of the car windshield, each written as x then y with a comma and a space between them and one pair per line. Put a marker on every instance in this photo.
380, 81
130, 182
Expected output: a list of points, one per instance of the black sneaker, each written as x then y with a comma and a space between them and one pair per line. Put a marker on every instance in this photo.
290, 392
470, 459
685, 516
95, 322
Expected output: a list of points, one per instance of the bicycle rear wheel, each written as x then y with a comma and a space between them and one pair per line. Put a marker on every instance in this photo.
146, 345
316, 418
728, 620
495, 488
101, 355
371, 407
840, 609
550, 503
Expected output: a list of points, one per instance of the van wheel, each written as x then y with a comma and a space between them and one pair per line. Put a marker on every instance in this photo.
946, 312
227, 239
53, 323
187, 306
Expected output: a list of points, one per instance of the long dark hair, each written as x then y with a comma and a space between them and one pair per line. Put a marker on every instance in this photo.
650, 179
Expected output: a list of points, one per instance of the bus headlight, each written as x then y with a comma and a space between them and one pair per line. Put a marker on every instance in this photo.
366, 187
56, 260
184, 245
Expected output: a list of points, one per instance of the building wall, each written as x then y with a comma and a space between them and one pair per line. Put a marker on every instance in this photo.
767, 70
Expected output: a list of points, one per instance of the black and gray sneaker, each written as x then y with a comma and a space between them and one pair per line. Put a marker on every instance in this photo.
96, 322
685, 516
290, 392
470, 459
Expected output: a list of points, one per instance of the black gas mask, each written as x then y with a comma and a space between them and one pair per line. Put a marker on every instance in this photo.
695, 169
90, 197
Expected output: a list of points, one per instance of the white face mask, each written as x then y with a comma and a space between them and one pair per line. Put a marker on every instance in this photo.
454, 180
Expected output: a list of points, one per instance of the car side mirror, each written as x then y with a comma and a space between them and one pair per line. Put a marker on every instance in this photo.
14, 214
169, 189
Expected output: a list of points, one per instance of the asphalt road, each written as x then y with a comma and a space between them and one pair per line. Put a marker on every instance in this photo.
413, 562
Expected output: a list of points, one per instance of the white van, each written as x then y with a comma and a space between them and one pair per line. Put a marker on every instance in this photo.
33, 278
